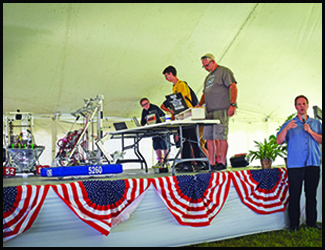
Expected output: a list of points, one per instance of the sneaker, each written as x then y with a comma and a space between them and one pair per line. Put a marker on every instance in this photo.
158, 165
201, 166
185, 169
218, 167
179, 165
213, 166
166, 165
316, 226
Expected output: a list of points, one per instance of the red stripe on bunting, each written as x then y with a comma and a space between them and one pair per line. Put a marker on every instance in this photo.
194, 212
260, 200
24, 211
99, 217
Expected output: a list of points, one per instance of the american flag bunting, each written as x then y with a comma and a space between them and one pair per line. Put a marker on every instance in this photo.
194, 200
98, 203
21, 206
264, 191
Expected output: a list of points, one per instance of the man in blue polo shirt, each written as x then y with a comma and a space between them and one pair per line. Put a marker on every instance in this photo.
303, 136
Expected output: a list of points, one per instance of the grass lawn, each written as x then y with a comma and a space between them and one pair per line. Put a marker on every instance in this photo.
304, 237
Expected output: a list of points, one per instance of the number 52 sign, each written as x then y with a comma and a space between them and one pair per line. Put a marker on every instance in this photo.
8, 171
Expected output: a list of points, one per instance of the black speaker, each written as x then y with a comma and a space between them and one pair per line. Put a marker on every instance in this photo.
239, 161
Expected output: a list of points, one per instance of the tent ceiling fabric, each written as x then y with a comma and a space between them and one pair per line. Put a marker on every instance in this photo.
56, 55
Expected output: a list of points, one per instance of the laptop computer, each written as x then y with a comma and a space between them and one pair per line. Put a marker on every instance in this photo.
136, 122
177, 103
120, 126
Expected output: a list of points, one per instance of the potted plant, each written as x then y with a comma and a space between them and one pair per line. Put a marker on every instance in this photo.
266, 152
282, 147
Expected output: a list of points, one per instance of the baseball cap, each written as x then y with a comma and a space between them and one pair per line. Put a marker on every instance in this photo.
208, 55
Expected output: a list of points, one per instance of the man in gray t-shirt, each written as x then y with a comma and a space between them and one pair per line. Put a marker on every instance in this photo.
216, 89
219, 95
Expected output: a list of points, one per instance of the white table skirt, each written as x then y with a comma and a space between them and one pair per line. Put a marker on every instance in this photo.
151, 224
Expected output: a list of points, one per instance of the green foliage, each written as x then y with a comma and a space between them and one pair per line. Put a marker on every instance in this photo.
304, 237
272, 138
267, 150
288, 118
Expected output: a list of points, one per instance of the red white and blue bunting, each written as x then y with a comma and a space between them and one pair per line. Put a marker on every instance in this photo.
193, 200
21, 206
264, 191
98, 203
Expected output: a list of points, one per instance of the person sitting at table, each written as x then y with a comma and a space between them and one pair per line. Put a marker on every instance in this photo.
152, 114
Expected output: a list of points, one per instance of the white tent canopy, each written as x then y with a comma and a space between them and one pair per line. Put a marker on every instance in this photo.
56, 55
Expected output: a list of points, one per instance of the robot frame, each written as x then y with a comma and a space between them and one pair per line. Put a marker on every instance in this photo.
20, 151
76, 154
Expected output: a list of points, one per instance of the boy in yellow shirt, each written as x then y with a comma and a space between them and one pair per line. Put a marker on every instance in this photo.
190, 134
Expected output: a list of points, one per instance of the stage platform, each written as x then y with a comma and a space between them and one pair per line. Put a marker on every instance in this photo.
31, 179
151, 220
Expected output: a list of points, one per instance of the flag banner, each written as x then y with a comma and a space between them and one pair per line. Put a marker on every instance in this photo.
194, 200
98, 203
20, 208
264, 191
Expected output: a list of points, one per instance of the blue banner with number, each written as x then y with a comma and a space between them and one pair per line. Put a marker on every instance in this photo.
82, 170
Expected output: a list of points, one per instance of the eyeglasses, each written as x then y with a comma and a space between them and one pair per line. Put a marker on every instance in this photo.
204, 66
144, 104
